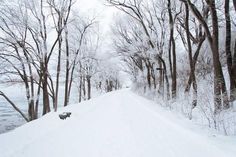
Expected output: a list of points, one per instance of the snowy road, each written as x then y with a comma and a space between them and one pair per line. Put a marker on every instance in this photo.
118, 124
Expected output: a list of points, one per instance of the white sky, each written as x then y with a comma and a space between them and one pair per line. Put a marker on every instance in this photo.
97, 7
105, 16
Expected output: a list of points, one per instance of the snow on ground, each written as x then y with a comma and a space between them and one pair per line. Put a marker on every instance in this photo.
10, 119
117, 124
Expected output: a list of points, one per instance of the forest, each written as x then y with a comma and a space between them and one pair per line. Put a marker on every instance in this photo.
182, 55
179, 53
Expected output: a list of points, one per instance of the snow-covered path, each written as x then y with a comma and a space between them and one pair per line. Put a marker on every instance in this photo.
118, 124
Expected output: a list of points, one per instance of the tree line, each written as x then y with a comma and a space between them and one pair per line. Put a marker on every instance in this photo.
152, 36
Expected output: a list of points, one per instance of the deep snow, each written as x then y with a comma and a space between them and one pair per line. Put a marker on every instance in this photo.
117, 124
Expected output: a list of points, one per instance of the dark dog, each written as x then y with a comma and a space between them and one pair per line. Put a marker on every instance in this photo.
64, 115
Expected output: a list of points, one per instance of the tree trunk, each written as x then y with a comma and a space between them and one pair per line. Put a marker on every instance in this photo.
161, 79
84, 88
44, 53
192, 69
55, 104
148, 74
71, 81
232, 77
66, 100
234, 63
234, 2
195, 57
46, 104
173, 54
88, 78
157, 57
219, 82
38, 96
233, 71
80, 89
153, 76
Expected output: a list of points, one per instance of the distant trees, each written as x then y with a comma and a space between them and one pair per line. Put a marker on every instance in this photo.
108, 78
150, 51
144, 50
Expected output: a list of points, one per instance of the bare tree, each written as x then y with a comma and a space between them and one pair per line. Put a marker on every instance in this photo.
188, 25
78, 39
133, 9
15, 27
220, 92
60, 11
172, 50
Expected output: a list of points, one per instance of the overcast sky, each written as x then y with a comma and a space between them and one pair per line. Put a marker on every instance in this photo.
105, 16
97, 7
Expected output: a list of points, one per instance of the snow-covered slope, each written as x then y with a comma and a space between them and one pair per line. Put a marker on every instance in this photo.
117, 124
